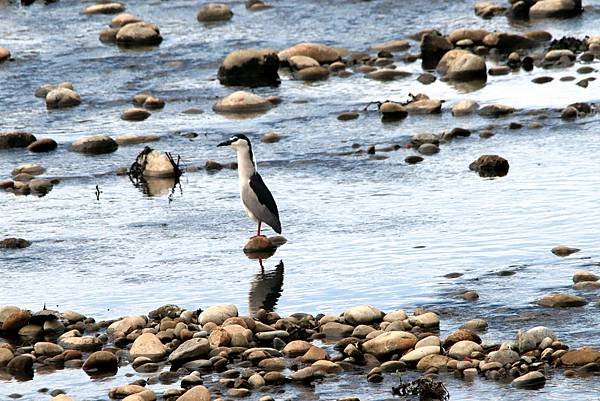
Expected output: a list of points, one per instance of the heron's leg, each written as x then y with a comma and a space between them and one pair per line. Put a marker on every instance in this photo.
258, 230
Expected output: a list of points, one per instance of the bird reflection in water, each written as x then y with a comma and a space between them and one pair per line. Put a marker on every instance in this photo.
266, 288
157, 186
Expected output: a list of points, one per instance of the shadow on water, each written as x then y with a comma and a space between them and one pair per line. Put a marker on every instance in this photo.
266, 289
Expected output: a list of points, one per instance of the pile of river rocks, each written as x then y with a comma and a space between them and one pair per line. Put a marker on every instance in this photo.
258, 354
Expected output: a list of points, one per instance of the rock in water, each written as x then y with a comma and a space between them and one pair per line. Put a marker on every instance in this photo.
322, 53
105, 8
250, 67
139, 34
562, 250
490, 166
14, 243
562, 301
531, 380
17, 139
555, 8
101, 362
462, 65
135, 114
96, 144
433, 48
242, 102
213, 12
4, 54
42, 145
61, 98
259, 244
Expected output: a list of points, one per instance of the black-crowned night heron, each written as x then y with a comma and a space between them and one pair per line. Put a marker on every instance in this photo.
256, 197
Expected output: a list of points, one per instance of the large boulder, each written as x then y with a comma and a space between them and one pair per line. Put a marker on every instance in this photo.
16, 139
61, 98
433, 48
242, 102
555, 8
320, 52
462, 65
95, 144
250, 67
139, 34
390, 342
212, 12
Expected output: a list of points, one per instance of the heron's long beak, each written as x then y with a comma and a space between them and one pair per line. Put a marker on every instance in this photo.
226, 143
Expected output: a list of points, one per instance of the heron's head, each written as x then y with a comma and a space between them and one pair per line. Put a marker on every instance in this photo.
237, 142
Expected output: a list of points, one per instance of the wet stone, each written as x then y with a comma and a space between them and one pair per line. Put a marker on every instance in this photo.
542, 80
562, 301
14, 243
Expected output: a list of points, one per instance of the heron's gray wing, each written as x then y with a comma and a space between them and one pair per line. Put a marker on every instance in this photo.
266, 199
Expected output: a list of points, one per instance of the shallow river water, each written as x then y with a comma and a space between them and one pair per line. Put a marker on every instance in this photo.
359, 230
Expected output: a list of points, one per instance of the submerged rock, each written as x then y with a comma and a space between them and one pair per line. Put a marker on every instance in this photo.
105, 8
139, 34
562, 301
214, 12
562, 250
487, 9
531, 380
123, 19
61, 98
135, 114
16, 139
14, 243
312, 73
495, 110
490, 166
392, 46
242, 102
322, 53
96, 144
4, 54
42, 145
250, 67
